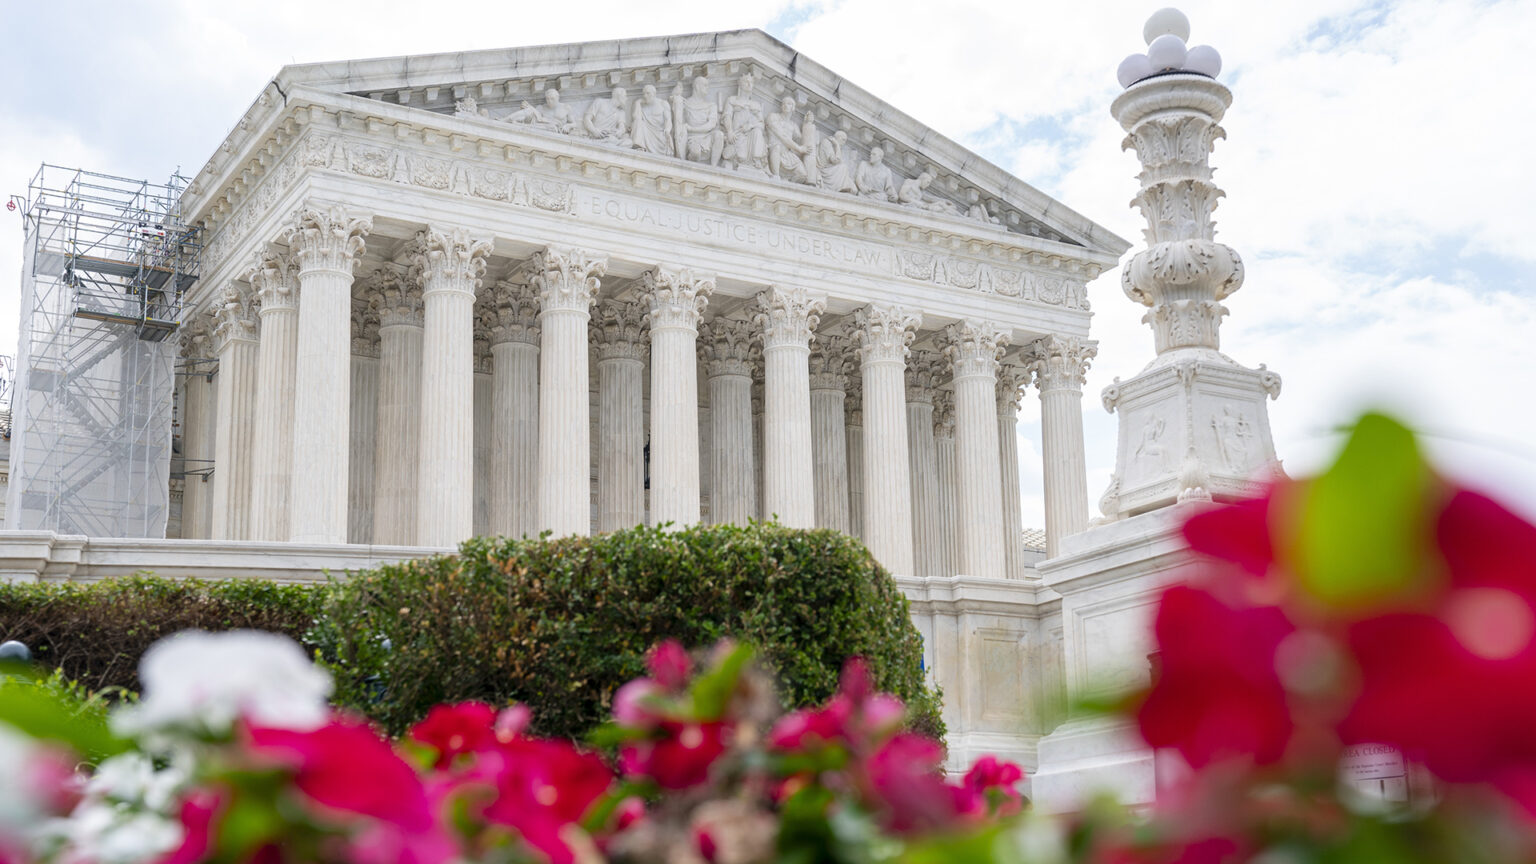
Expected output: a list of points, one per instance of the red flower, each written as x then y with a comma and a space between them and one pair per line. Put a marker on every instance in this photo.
198, 810
681, 757
857, 716
344, 765
992, 778
454, 729
906, 781
1219, 694
669, 665
542, 788
1239, 533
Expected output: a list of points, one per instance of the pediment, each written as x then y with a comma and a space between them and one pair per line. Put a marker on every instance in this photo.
739, 102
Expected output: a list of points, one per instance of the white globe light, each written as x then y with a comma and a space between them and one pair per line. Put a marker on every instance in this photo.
1167, 52
1203, 59
1164, 22
1133, 69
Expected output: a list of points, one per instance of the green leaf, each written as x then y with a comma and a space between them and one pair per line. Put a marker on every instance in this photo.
48, 716
1364, 530
712, 690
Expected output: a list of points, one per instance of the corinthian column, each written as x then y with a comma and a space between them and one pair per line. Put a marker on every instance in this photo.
451, 265
729, 351
365, 416
275, 279
197, 441
485, 397
884, 334
1060, 367
923, 374
234, 342
676, 297
567, 281
515, 411
1011, 379
831, 361
397, 444
788, 317
326, 240
949, 483
618, 333
855, 424
973, 347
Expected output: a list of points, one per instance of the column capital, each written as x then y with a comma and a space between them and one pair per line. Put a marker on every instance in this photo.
832, 362
365, 322
1060, 362
450, 259
854, 404
195, 336
974, 347
676, 296
1012, 378
275, 278
619, 330
234, 318
729, 347
397, 297
485, 323
925, 369
324, 236
885, 332
788, 316
567, 278
517, 312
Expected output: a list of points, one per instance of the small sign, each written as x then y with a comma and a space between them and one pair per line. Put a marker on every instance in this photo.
1372, 762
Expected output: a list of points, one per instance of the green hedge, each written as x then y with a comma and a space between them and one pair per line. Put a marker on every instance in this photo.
558, 624
95, 632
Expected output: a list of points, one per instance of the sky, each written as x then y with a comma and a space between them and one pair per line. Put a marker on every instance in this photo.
1377, 164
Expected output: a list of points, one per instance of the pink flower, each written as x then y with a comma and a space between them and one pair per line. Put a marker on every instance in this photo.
905, 779
198, 835
1219, 694
543, 788
857, 716
669, 665
345, 766
681, 757
455, 729
511, 722
992, 778
630, 704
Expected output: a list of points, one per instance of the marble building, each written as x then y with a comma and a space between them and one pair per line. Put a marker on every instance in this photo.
578, 288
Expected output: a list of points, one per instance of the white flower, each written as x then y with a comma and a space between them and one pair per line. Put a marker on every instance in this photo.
127, 815
18, 804
203, 682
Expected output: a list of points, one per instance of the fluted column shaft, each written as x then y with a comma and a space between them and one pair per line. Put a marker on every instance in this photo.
398, 429
676, 298
973, 348
618, 330
923, 463
728, 348
1060, 368
829, 455
788, 317
885, 333
197, 443
948, 482
365, 423
515, 438
856, 473
1009, 381
567, 281
276, 282
327, 242
451, 262
235, 422
484, 417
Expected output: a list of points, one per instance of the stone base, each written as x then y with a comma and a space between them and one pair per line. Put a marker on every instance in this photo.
1192, 418
1085, 758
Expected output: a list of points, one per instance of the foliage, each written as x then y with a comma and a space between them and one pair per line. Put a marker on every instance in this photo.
560, 624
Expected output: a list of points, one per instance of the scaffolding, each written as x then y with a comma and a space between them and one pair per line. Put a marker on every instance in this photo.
106, 264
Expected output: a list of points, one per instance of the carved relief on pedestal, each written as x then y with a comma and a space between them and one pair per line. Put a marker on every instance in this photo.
885, 333
676, 296
788, 316
567, 278
729, 347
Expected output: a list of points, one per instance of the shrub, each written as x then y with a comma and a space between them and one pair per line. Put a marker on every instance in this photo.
94, 633
559, 624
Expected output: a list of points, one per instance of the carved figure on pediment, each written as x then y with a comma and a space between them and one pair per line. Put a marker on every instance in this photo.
810, 137
553, 117
910, 194
606, 119
785, 154
980, 214
832, 164
652, 126
696, 123
467, 107
874, 179
746, 145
